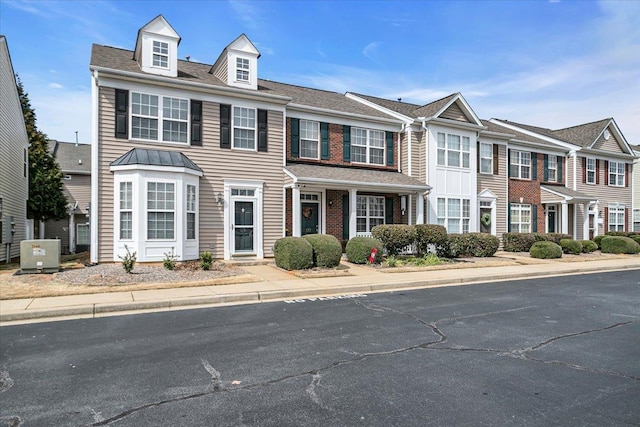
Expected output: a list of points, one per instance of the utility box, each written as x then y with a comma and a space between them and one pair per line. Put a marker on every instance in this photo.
40, 256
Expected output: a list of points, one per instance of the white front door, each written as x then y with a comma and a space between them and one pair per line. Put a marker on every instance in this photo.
243, 218
243, 222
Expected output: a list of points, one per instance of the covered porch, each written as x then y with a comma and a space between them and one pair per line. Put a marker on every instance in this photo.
347, 202
568, 211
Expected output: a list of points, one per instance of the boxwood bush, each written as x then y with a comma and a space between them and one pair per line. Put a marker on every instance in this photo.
327, 250
519, 242
394, 237
472, 244
588, 246
570, 246
431, 234
359, 249
552, 237
619, 245
636, 238
545, 250
293, 253
598, 240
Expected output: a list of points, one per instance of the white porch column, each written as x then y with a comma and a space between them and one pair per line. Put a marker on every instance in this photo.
564, 228
72, 233
296, 219
585, 221
596, 225
419, 209
352, 212
410, 210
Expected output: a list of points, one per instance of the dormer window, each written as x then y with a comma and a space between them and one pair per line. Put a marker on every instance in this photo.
242, 69
160, 54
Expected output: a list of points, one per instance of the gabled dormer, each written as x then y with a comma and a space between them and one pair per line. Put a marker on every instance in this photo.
237, 65
157, 48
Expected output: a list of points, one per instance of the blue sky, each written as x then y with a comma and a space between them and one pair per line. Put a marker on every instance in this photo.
547, 63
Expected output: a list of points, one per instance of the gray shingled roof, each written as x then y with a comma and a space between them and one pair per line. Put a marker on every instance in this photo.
356, 177
142, 156
408, 109
567, 192
70, 157
583, 135
429, 110
519, 136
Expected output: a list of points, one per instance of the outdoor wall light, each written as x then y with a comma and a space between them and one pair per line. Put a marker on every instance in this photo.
219, 199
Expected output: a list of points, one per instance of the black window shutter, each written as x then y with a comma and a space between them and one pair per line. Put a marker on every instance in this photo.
196, 123
390, 148
478, 156
225, 126
508, 163
495, 159
534, 166
546, 167
262, 130
122, 105
346, 143
388, 210
560, 176
345, 217
534, 218
509, 217
324, 141
295, 138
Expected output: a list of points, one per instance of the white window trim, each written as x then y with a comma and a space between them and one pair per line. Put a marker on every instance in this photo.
617, 174
369, 147
160, 118
594, 170
462, 153
517, 158
490, 158
88, 239
317, 141
519, 208
165, 55
240, 68
122, 210
616, 211
636, 220
233, 128
462, 219
554, 169
147, 210
368, 217
257, 186
193, 211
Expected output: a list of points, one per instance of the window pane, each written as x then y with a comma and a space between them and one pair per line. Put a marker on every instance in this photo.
453, 142
453, 208
376, 156
358, 154
359, 136
309, 149
441, 157
441, 140
442, 210
160, 225
174, 131
125, 225
191, 225
243, 138
143, 128
466, 144
453, 158
377, 138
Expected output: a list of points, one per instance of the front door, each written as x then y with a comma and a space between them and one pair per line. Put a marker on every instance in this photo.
551, 219
243, 226
485, 220
310, 218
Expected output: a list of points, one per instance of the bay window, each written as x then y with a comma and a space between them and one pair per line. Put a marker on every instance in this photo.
126, 210
191, 212
160, 210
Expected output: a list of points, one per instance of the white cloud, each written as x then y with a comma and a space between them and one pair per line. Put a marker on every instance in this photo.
55, 85
370, 50
61, 112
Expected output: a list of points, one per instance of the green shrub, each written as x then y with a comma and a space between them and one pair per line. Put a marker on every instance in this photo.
598, 240
431, 234
129, 260
472, 244
427, 260
206, 259
391, 261
545, 250
589, 246
623, 233
169, 261
359, 249
635, 238
570, 246
327, 250
554, 237
394, 237
520, 242
619, 245
293, 253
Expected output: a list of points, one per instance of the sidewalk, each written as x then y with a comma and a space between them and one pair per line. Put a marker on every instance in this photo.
277, 285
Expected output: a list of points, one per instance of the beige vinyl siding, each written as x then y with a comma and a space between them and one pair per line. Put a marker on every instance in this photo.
78, 189
404, 153
223, 71
611, 144
14, 186
58, 230
217, 165
454, 112
497, 184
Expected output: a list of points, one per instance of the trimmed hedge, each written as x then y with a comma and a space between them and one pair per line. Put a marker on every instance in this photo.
472, 244
545, 250
570, 246
553, 237
619, 245
518, 242
598, 240
588, 246
293, 253
394, 237
327, 249
636, 239
431, 234
359, 249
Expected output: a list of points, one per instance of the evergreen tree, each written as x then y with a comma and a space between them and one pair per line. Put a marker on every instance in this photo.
46, 198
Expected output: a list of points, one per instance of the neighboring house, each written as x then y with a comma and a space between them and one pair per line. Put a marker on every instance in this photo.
75, 163
14, 166
636, 189
597, 184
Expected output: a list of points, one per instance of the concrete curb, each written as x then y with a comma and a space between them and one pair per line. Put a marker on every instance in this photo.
91, 310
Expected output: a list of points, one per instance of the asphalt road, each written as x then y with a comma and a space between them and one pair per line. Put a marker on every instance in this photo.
558, 351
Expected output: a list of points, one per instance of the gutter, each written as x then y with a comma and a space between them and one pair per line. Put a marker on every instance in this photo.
93, 210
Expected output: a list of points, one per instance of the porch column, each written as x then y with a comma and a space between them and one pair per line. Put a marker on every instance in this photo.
419, 209
596, 224
72, 233
296, 219
410, 209
352, 212
564, 228
585, 221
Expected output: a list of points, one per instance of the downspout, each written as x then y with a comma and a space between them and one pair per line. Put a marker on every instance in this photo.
573, 154
93, 211
402, 129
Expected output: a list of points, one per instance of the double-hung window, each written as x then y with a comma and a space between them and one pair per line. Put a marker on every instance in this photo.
160, 210
552, 168
146, 115
309, 137
454, 214
486, 158
367, 146
244, 128
126, 210
369, 213
591, 171
160, 54
520, 218
616, 218
453, 150
616, 174
191, 212
242, 69
82, 234
636, 220
520, 166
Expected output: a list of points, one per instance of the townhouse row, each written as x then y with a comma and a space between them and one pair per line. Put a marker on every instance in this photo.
190, 157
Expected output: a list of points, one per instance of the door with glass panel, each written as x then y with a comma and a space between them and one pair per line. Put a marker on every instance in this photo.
243, 221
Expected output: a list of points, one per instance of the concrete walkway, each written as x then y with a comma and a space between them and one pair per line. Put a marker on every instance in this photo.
274, 284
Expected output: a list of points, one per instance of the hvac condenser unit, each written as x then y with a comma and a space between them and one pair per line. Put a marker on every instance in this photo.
40, 256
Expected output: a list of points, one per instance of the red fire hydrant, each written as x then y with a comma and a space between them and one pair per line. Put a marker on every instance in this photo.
372, 257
